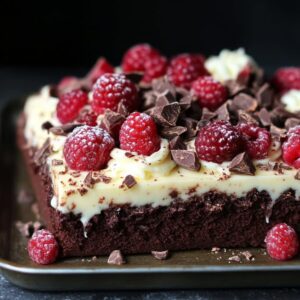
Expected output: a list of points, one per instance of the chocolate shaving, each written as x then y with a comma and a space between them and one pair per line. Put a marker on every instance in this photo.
171, 132
244, 117
64, 129
47, 125
129, 181
167, 115
244, 102
191, 126
122, 109
264, 117
186, 102
223, 112
242, 164
165, 98
161, 85
206, 117
40, 155
135, 77
234, 87
186, 159
116, 258
177, 144
291, 122
160, 255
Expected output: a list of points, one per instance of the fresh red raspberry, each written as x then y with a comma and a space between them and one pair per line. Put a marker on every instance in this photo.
258, 140
144, 58
110, 89
88, 118
210, 93
139, 134
218, 141
101, 67
185, 68
291, 148
286, 79
88, 148
70, 104
282, 242
42, 247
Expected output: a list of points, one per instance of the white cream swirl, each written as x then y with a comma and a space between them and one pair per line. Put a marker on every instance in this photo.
291, 100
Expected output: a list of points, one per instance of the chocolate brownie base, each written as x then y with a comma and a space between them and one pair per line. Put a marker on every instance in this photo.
213, 219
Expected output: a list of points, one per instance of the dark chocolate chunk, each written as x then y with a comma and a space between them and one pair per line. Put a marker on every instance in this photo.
206, 117
64, 129
177, 144
242, 164
165, 98
171, 132
186, 102
244, 102
149, 99
167, 115
162, 85
191, 126
116, 258
265, 95
160, 255
244, 117
182, 92
186, 159
111, 121
47, 125
122, 110
129, 181
297, 176
223, 112
135, 77
264, 117
291, 122
279, 116
234, 87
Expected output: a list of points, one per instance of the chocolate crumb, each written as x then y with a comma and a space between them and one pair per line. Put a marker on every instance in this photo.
234, 258
129, 181
160, 255
82, 191
88, 180
116, 258
186, 159
248, 255
57, 162
242, 164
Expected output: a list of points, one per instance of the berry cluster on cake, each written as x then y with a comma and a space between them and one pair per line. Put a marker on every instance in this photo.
164, 154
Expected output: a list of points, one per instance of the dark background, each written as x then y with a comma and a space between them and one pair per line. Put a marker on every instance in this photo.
66, 34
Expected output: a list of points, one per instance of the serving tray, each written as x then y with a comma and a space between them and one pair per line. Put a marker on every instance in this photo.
186, 269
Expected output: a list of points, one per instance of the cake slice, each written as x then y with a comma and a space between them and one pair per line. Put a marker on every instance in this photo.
190, 155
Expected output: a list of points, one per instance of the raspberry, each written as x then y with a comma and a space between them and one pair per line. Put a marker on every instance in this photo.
258, 140
144, 58
101, 67
88, 148
282, 242
88, 118
139, 134
218, 141
291, 148
69, 105
286, 79
42, 247
185, 68
110, 89
210, 93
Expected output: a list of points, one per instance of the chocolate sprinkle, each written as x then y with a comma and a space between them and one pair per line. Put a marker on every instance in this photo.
242, 164
160, 255
129, 181
186, 159
116, 258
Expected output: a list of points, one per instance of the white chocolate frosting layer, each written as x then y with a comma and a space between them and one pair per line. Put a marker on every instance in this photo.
157, 176
228, 64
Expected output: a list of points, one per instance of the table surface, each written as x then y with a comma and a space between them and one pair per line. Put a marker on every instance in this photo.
16, 82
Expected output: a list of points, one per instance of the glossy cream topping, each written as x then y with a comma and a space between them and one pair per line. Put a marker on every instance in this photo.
291, 100
228, 64
158, 178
